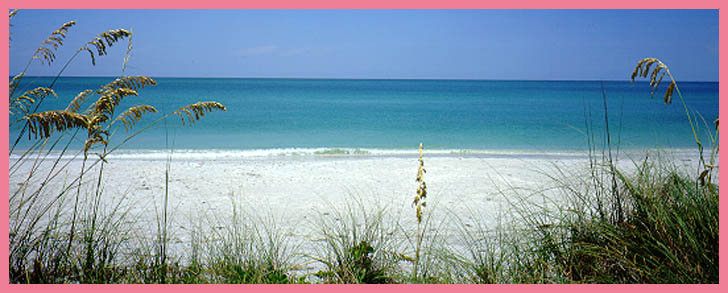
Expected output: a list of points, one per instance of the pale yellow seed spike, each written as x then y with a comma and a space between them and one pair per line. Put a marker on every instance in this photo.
422, 188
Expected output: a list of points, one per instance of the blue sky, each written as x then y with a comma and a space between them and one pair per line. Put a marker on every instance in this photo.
447, 44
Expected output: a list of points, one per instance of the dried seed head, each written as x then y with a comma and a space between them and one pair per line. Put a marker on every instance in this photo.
419, 201
55, 40
103, 41
127, 82
194, 111
14, 83
77, 101
668, 93
655, 76
43, 124
21, 104
134, 114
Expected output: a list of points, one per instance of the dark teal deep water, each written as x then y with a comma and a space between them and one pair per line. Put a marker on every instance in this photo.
399, 114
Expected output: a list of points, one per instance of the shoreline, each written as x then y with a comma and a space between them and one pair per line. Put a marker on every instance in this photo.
355, 152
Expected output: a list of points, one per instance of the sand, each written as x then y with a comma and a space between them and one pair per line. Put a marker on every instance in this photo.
297, 191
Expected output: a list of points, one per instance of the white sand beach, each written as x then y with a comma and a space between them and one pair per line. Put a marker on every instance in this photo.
297, 190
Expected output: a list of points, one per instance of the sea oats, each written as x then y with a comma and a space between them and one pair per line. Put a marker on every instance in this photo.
13, 85
127, 82
94, 139
21, 103
43, 124
668, 93
419, 200
55, 40
104, 107
12, 13
655, 76
103, 41
195, 111
128, 52
133, 114
78, 100
642, 69
27, 244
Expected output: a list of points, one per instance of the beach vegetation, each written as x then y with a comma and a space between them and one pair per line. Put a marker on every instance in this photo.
706, 167
38, 223
419, 203
358, 245
656, 224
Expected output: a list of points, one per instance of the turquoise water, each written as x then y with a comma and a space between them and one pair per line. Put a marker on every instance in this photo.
324, 114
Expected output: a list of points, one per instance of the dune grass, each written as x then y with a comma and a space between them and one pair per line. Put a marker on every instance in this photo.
47, 244
356, 244
666, 232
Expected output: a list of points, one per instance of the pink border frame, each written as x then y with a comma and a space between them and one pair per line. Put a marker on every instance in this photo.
360, 4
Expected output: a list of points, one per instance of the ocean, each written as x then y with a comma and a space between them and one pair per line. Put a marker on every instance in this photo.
342, 116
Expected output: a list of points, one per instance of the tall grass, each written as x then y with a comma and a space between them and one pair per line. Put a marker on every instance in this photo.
667, 233
434, 253
652, 223
247, 248
642, 70
358, 244
419, 203
46, 243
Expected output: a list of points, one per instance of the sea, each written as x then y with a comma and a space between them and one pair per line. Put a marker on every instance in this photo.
291, 117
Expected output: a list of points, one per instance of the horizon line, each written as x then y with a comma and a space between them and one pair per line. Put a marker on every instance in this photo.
362, 78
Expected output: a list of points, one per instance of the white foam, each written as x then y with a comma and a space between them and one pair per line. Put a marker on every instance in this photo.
232, 154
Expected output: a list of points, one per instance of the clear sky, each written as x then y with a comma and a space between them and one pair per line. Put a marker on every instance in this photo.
447, 44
